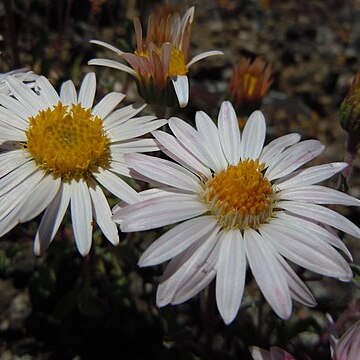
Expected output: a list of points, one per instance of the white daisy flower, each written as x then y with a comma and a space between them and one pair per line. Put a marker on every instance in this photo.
242, 203
27, 77
62, 150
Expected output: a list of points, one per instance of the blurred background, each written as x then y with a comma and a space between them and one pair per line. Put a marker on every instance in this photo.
63, 306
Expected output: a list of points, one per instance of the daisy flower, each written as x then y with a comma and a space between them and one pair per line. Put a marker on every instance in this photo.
241, 203
28, 77
58, 150
161, 58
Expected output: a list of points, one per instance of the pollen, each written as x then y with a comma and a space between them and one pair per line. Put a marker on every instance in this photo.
240, 196
67, 141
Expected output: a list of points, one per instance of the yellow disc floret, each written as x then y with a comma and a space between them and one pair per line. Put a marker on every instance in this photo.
240, 196
68, 141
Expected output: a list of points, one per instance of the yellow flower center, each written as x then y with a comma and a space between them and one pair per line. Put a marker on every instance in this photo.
240, 196
70, 143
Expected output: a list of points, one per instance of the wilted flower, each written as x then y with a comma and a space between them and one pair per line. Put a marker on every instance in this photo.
62, 149
27, 77
275, 353
249, 84
242, 203
160, 58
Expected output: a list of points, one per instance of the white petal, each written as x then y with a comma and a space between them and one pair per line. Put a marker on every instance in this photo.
9, 221
11, 160
173, 148
52, 218
308, 251
68, 93
117, 186
181, 86
321, 214
230, 276
15, 106
203, 55
87, 91
48, 93
253, 136
102, 213
135, 146
318, 195
113, 64
153, 213
8, 117
81, 216
294, 157
312, 175
107, 46
268, 273
176, 240
272, 150
229, 133
107, 104
209, 137
10, 133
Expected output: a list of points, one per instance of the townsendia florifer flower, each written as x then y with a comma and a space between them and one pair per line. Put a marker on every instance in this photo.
160, 58
61, 149
242, 204
249, 84
28, 77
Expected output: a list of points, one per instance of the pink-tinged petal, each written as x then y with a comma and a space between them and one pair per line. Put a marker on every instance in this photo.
87, 91
321, 214
312, 175
294, 157
277, 353
52, 218
229, 133
209, 137
102, 213
163, 171
165, 57
107, 46
230, 277
68, 93
253, 136
173, 148
181, 86
203, 55
176, 240
107, 104
271, 151
259, 354
305, 249
113, 64
268, 274
333, 335
154, 213
48, 93
348, 346
316, 194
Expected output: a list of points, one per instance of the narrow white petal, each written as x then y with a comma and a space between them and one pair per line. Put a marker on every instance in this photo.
107, 46
268, 274
173, 148
321, 214
253, 136
230, 276
113, 64
209, 137
87, 91
11, 160
117, 186
135, 146
229, 133
318, 195
163, 171
102, 213
15, 106
121, 168
8, 117
153, 213
260, 354
10, 133
312, 175
107, 104
181, 86
308, 251
9, 221
68, 93
294, 157
39, 199
203, 55
81, 216
52, 218
272, 150
48, 93
176, 240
